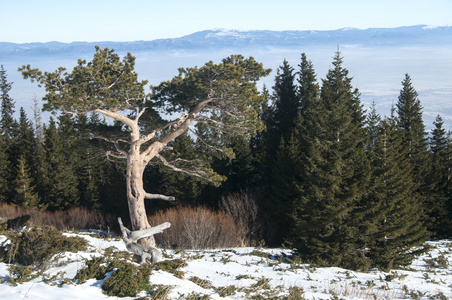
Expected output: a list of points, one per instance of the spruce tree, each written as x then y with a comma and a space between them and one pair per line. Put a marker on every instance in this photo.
287, 103
412, 127
439, 180
308, 88
394, 223
4, 171
184, 188
25, 194
373, 128
409, 110
8, 130
24, 142
8, 123
334, 176
60, 190
285, 188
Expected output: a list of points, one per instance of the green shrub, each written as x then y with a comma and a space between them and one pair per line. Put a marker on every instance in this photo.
227, 291
295, 293
171, 266
128, 281
20, 274
36, 246
161, 292
205, 284
94, 269
196, 296
260, 254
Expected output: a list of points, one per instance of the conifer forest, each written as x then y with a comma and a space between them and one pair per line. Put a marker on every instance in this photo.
341, 184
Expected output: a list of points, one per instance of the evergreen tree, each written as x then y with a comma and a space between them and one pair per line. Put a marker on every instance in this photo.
60, 182
38, 123
8, 129
25, 194
184, 188
308, 88
439, 180
412, 127
373, 128
4, 170
409, 111
285, 187
8, 123
335, 174
394, 222
24, 143
287, 103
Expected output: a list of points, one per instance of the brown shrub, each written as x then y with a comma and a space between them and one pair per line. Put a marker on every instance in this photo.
242, 206
74, 218
198, 228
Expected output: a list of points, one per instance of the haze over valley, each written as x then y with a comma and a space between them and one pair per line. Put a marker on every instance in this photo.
377, 59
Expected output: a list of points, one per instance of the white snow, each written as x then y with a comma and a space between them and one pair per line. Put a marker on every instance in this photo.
240, 268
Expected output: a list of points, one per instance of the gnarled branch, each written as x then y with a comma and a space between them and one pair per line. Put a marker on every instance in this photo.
131, 239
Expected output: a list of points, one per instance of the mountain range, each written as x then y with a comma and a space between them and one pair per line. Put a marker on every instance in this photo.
377, 59
225, 38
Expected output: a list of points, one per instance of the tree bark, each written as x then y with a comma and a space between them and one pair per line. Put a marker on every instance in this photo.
136, 195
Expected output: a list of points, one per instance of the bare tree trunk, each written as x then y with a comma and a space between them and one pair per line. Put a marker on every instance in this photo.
136, 195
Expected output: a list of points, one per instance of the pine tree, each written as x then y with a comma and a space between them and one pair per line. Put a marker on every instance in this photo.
25, 194
334, 176
394, 222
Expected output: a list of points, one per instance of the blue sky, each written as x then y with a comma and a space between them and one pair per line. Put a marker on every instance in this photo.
24, 21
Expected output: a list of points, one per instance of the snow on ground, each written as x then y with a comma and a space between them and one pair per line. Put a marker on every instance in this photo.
241, 273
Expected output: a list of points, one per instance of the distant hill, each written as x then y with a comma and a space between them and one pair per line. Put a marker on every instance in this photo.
223, 38
377, 59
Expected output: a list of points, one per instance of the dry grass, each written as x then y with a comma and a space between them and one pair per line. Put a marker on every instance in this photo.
74, 218
198, 228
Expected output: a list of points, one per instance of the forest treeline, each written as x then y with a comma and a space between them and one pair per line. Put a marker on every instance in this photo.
342, 185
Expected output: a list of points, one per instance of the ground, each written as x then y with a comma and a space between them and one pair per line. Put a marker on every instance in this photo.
241, 273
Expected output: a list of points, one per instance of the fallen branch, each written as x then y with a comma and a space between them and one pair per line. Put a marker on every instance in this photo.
131, 239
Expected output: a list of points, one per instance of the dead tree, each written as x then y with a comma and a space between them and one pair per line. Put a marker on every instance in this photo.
221, 98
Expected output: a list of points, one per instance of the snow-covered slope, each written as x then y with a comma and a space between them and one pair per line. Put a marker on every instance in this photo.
245, 272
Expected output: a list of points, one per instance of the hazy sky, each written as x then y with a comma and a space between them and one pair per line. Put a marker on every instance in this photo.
130, 20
